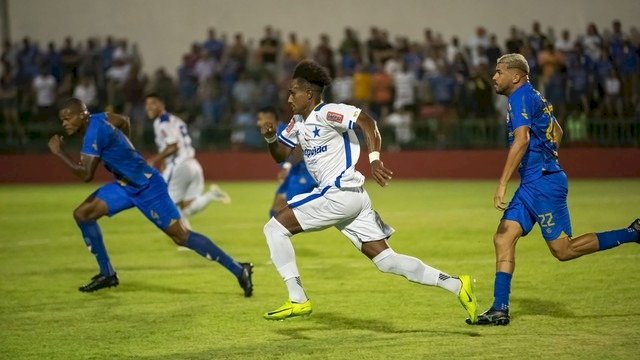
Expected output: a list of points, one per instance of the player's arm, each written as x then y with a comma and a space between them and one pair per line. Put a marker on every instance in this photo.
557, 132
120, 122
168, 151
85, 169
295, 156
516, 152
374, 142
279, 152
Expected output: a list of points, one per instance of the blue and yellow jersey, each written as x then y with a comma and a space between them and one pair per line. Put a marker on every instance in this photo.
120, 158
528, 108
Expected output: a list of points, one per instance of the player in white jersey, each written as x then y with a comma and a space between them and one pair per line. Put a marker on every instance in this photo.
331, 149
176, 159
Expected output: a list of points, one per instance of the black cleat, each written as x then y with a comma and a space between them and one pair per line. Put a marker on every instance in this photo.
492, 317
100, 282
245, 279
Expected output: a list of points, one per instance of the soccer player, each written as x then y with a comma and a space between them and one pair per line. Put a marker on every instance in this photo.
137, 185
331, 149
534, 138
176, 157
293, 176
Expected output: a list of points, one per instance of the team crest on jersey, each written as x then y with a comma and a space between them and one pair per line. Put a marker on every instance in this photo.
334, 117
292, 123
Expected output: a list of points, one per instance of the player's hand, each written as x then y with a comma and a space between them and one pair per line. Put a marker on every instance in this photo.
381, 174
56, 144
267, 128
498, 198
282, 174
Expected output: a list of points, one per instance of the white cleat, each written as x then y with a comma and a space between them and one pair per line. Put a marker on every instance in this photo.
219, 195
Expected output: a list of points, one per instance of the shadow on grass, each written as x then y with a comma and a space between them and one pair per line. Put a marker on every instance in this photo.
559, 310
536, 306
337, 322
138, 286
302, 339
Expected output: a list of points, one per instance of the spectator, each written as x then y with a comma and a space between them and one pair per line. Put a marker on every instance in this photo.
13, 128
44, 87
86, 92
213, 45
70, 58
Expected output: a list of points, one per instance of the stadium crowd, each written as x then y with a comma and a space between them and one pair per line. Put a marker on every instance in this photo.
424, 92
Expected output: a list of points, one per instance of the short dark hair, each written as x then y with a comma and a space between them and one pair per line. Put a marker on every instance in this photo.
313, 73
269, 110
72, 102
154, 95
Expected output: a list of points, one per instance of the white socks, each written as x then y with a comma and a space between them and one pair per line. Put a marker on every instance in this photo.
198, 204
284, 258
415, 270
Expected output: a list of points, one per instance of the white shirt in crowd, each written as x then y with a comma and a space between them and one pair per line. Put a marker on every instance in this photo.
45, 88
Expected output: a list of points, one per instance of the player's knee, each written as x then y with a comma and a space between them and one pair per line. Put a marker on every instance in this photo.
502, 240
178, 233
273, 229
384, 261
561, 249
82, 214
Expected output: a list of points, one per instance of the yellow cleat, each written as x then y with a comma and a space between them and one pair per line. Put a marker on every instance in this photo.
289, 310
468, 298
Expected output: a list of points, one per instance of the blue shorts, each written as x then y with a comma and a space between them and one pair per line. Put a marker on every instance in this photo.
153, 201
296, 183
543, 201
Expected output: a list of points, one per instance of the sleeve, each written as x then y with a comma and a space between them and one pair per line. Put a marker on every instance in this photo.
340, 116
93, 141
169, 132
289, 135
521, 112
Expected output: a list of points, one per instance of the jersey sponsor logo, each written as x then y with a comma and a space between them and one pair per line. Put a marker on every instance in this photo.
334, 117
315, 150
290, 126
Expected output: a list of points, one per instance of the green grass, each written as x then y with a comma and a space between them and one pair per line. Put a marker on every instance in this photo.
174, 305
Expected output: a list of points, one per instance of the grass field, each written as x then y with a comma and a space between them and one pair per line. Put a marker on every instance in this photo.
174, 305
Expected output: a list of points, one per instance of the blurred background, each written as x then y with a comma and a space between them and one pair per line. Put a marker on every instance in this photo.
421, 68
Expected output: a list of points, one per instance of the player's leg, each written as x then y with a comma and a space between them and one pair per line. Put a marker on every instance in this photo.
305, 212
279, 203
369, 234
566, 248
554, 220
109, 200
195, 200
517, 221
159, 208
281, 197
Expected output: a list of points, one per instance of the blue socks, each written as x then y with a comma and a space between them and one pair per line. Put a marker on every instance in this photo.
613, 238
93, 238
206, 248
501, 290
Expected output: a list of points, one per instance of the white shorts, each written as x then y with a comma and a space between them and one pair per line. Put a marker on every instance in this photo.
349, 210
185, 180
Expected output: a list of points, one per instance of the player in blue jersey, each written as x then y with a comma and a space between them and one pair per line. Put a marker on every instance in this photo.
137, 185
293, 175
534, 138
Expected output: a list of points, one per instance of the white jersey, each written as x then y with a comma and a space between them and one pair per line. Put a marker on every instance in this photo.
329, 144
170, 129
